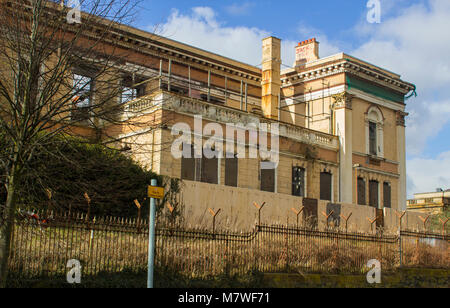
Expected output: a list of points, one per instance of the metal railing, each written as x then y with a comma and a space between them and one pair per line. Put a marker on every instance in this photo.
42, 248
178, 99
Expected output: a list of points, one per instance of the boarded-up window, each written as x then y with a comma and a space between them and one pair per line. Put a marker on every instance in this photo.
188, 164
372, 138
298, 181
268, 180
387, 194
361, 191
380, 218
373, 193
335, 211
310, 212
325, 186
209, 170
231, 171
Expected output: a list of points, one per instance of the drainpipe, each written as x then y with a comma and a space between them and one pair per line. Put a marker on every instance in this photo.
242, 85
246, 97
189, 72
209, 85
170, 74
160, 73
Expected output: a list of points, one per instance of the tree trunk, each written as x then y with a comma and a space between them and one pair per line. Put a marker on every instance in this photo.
6, 229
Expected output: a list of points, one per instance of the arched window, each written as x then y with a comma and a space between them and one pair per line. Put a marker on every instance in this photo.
374, 132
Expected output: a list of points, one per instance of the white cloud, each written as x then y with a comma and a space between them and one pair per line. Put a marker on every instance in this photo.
416, 43
202, 29
239, 9
426, 119
425, 175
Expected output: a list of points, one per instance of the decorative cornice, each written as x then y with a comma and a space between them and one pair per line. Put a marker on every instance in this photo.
369, 171
376, 100
313, 74
347, 66
155, 47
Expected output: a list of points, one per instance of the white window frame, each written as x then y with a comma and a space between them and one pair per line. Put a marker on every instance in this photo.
374, 115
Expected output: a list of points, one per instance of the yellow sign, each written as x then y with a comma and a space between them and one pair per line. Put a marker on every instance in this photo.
156, 192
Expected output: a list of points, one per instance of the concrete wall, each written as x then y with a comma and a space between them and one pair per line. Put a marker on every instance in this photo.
164, 163
239, 214
411, 221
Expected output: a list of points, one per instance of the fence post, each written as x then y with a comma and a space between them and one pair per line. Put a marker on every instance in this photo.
286, 238
91, 238
327, 216
214, 214
227, 257
298, 213
400, 251
443, 227
424, 220
346, 221
372, 222
172, 217
88, 200
259, 207
138, 205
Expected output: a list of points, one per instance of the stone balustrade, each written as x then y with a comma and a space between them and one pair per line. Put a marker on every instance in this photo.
223, 114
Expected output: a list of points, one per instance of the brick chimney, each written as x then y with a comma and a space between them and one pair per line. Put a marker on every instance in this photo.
306, 51
271, 82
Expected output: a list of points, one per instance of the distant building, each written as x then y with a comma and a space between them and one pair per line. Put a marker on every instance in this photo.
432, 202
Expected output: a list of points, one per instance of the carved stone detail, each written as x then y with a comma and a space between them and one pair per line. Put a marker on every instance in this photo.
343, 100
400, 117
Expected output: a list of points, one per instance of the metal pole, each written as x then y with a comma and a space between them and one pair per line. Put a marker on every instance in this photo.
246, 97
189, 72
226, 86
170, 74
209, 86
279, 107
151, 239
160, 73
400, 252
242, 85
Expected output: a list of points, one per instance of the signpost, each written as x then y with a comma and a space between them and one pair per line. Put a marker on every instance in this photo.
153, 193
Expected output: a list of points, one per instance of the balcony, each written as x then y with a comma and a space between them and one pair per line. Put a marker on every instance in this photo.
176, 102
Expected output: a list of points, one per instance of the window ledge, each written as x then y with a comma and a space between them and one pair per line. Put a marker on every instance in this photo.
374, 160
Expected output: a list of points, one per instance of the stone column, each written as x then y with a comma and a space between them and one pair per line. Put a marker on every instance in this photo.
401, 157
343, 129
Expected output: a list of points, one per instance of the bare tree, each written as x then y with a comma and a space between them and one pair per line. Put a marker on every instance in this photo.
50, 61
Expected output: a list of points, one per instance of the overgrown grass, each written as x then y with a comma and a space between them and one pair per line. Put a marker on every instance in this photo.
191, 257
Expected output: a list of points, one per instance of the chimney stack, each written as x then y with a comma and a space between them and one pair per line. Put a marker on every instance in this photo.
271, 82
306, 51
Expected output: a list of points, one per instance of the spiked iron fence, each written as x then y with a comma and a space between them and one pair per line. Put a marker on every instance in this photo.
42, 248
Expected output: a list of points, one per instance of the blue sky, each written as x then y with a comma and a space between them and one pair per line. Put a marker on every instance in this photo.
412, 40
